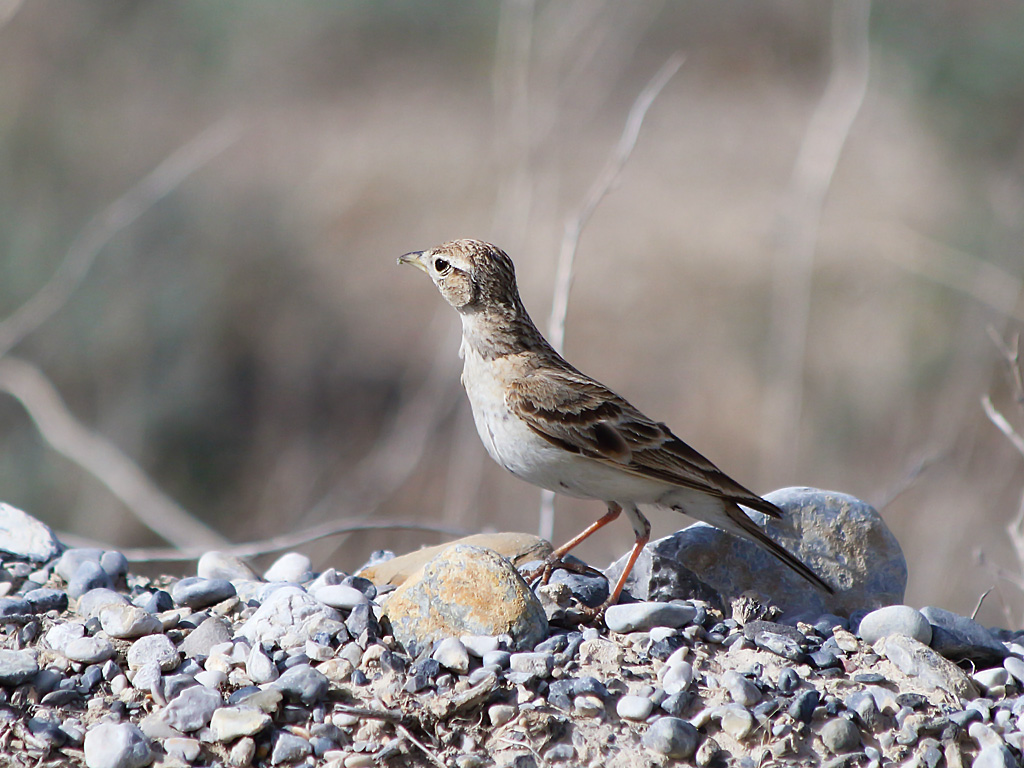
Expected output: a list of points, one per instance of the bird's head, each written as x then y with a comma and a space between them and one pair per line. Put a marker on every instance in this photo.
471, 275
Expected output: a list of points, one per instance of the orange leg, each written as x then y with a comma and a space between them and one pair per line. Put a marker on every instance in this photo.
642, 529
545, 570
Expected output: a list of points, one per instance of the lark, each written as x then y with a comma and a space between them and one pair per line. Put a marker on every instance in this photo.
559, 429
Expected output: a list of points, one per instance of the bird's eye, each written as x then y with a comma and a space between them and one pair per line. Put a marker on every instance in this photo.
441, 265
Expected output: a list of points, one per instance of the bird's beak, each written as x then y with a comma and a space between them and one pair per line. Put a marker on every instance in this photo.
416, 258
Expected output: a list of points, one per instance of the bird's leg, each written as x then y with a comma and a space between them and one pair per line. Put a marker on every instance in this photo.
642, 530
543, 573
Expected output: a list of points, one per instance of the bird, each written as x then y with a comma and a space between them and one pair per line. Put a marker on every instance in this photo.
557, 428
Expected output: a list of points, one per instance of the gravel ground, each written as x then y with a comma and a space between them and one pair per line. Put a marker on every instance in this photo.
105, 668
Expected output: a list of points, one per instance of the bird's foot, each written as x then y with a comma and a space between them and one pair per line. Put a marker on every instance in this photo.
542, 574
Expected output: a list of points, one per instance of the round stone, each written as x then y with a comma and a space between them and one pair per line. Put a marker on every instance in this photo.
192, 709
840, 735
46, 599
736, 721
893, 620
288, 748
153, 648
340, 596
24, 536
201, 640
89, 650
95, 600
452, 654
117, 745
17, 667
677, 678
69, 562
219, 565
741, 690
302, 683
292, 567
632, 707
90, 575
635, 617
196, 593
672, 737
1015, 667
480, 645
259, 667
127, 622
229, 723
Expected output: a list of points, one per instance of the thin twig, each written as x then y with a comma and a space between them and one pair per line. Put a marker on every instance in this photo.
431, 755
162, 180
815, 166
574, 229
101, 458
598, 191
981, 599
1004, 426
275, 543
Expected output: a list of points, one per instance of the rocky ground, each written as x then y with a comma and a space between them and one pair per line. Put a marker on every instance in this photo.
104, 668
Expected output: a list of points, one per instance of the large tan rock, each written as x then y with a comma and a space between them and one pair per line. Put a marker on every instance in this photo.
465, 590
518, 548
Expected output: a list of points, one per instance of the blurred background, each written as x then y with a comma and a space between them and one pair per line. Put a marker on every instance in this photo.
800, 268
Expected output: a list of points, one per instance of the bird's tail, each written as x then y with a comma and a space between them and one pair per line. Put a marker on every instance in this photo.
747, 528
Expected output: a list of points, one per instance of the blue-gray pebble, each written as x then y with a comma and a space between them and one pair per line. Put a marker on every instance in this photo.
196, 592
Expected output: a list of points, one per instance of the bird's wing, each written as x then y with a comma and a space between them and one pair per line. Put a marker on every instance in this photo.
576, 413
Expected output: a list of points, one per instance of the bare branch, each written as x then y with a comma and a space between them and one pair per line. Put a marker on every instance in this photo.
101, 458
98, 232
815, 166
574, 228
599, 189
1004, 426
275, 543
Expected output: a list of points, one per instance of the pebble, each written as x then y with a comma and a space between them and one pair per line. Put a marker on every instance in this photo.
24, 536
292, 567
45, 599
95, 600
892, 620
480, 645
288, 748
840, 735
672, 737
340, 596
1015, 667
736, 721
452, 654
17, 667
303, 684
219, 565
229, 723
202, 639
532, 664
88, 650
634, 617
158, 649
634, 707
116, 745
995, 757
196, 592
192, 708
741, 690
89, 575
127, 622
959, 638
677, 678
259, 667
